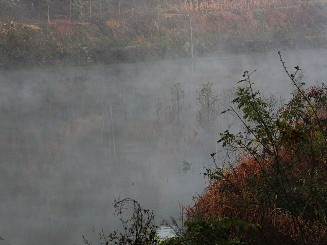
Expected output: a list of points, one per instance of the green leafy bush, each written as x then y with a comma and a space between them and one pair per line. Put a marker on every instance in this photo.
215, 231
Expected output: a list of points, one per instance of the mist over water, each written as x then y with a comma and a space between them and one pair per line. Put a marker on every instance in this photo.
74, 139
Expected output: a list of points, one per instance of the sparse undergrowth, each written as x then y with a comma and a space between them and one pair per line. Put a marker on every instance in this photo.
138, 226
272, 189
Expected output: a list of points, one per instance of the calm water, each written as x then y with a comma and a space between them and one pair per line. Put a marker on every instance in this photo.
74, 139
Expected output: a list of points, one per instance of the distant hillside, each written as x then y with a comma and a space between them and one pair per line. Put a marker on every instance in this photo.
41, 32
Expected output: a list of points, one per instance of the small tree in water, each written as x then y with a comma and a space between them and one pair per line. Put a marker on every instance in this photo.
208, 102
177, 96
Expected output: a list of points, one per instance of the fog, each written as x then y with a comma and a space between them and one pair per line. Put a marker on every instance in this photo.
74, 139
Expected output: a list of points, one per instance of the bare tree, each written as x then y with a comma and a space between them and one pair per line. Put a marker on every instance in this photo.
208, 103
159, 111
177, 96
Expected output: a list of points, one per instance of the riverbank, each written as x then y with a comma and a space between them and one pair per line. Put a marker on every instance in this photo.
165, 32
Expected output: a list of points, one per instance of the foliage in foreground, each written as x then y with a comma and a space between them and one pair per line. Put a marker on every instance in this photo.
278, 176
216, 231
139, 226
273, 189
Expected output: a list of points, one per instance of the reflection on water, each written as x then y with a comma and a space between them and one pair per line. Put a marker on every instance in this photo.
165, 232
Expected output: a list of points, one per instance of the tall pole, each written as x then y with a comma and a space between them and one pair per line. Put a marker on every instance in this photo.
48, 11
90, 9
192, 53
119, 5
70, 10
113, 132
192, 49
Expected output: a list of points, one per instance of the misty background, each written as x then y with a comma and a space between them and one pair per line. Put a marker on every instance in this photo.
74, 139
81, 127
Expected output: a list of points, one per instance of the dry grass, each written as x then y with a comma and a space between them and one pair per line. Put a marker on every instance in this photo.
32, 26
227, 5
63, 28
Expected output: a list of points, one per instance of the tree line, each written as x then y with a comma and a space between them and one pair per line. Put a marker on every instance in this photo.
69, 9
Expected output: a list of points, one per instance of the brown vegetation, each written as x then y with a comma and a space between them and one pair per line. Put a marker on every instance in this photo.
150, 30
282, 189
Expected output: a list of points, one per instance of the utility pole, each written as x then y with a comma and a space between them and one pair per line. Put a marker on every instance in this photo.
113, 133
48, 11
119, 9
192, 49
90, 8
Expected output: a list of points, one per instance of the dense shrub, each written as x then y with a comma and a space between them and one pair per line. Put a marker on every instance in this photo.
277, 178
14, 44
213, 231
